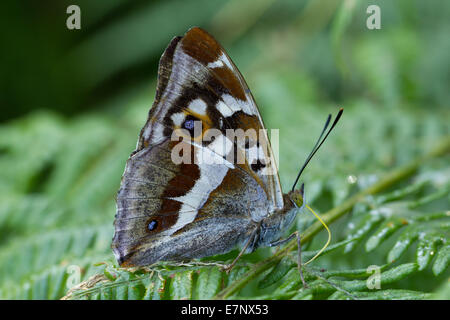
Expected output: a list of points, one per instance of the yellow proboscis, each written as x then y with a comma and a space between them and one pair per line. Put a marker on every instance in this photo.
329, 235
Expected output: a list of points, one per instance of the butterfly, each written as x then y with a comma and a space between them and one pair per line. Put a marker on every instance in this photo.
180, 210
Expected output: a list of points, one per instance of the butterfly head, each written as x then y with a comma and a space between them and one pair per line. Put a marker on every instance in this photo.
297, 197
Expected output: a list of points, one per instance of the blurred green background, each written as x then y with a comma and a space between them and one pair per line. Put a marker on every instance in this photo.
73, 102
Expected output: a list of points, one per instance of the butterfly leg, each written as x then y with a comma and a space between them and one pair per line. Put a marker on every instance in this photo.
251, 239
299, 253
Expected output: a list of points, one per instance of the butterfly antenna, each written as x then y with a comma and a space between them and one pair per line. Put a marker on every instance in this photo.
319, 142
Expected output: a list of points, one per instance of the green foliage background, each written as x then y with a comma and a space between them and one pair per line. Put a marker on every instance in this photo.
73, 103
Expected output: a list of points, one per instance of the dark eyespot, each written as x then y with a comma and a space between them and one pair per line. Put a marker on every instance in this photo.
189, 124
152, 225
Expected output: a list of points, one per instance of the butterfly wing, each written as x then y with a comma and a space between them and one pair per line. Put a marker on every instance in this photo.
168, 210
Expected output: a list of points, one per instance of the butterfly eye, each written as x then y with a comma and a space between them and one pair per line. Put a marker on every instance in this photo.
152, 225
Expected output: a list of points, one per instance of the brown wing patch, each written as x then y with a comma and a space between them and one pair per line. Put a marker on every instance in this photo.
231, 82
200, 45
183, 182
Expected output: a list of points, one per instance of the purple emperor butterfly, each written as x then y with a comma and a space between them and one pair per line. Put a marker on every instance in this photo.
179, 210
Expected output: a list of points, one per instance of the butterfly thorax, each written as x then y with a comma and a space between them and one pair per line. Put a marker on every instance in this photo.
276, 224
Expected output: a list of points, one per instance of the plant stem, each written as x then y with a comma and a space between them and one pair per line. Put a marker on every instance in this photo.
396, 175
